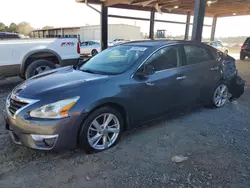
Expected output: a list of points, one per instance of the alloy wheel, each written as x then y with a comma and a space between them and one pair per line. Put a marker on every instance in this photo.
220, 96
41, 69
103, 131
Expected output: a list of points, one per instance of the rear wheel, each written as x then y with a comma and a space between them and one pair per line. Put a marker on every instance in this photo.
101, 130
38, 67
242, 57
220, 95
94, 52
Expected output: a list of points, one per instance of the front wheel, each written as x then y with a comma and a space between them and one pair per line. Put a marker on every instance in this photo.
220, 96
101, 130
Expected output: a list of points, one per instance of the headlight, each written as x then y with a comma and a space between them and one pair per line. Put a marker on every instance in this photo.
55, 110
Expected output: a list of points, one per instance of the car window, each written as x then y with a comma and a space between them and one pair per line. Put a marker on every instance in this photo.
214, 44
247, 42
196, 54
84, 43
165, 58
114, 60
219, 44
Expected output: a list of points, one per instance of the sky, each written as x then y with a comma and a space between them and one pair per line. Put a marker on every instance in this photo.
67, 13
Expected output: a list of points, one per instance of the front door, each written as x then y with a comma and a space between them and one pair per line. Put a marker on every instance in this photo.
157, 93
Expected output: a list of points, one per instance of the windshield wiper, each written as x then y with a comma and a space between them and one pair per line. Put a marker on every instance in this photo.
88, 71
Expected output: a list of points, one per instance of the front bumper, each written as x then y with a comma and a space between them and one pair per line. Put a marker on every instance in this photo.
44, 134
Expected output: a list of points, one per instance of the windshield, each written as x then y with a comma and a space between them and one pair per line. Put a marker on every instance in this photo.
114, 60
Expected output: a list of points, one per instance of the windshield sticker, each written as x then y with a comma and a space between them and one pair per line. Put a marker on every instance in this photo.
141, 49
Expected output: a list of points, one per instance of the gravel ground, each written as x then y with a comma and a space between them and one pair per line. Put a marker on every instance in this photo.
216, 142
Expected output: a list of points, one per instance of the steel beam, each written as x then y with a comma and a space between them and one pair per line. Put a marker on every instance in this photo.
152, 25
93, 8
146, 19
187, 26
213, 29
128, 17
199, 14
104, 27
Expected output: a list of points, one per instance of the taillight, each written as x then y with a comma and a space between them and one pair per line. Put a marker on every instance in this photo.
78, 48
243, 47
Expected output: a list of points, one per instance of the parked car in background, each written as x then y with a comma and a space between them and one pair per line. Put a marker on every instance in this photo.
29, 57
90, 48
245, 49
8, 36
219, 46
116, 90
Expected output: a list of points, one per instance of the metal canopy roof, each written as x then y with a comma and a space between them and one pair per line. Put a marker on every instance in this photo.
217, 8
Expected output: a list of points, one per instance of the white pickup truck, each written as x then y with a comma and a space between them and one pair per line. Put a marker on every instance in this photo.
29, 57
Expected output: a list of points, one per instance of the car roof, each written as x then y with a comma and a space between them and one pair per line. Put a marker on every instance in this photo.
155, 43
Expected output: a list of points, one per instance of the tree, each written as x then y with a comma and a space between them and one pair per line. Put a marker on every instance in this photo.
13, 28
24, 28
48, 27
3, 27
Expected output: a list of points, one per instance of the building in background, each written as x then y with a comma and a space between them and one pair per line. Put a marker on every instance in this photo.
91, 32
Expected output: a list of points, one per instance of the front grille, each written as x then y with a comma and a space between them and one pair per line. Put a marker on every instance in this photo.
15, 106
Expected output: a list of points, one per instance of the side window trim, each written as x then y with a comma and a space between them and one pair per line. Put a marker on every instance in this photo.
183, 54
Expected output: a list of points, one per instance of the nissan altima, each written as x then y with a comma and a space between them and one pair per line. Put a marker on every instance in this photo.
116, 90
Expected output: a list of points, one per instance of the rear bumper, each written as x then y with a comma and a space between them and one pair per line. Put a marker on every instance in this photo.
245, 53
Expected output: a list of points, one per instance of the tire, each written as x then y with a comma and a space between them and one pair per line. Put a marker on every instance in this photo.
88, 132
43, 64
242, 57
219, 99
94, 52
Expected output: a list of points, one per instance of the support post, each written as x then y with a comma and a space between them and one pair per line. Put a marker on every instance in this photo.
152, 25
43, 34
104, 27
199, 14
213, 28
187, 26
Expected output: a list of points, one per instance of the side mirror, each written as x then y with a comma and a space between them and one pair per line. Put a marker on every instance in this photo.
146, 70
81, 62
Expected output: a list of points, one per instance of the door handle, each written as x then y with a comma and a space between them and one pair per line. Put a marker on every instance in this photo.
150, 84
214, 68
181, 78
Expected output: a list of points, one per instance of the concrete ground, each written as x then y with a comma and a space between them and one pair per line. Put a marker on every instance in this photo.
216, 142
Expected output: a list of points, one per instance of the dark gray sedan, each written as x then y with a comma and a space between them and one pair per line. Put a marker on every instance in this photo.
118, 89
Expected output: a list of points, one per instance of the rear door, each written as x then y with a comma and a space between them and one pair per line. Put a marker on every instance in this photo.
202, 72
84, 47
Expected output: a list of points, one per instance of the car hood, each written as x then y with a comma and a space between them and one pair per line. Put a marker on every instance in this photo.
57, 82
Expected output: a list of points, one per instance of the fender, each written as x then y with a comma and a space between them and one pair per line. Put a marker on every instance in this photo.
114, 101
22, 67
